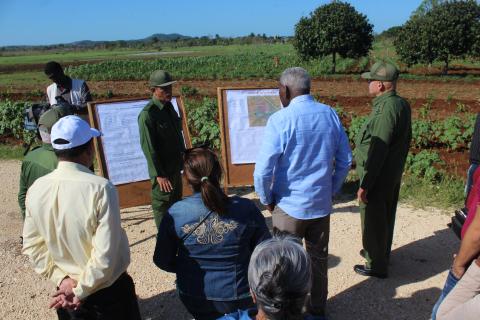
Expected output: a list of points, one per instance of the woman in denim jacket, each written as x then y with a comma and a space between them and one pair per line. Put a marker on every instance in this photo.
207, 240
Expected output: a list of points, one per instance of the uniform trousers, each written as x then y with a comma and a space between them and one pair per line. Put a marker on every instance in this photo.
378, 222
316, 233
161, 200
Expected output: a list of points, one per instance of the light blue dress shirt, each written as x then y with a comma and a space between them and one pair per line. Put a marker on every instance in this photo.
304, 159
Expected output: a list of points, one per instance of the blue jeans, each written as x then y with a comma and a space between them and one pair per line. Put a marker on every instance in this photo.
470, 172
203, 309
449, 285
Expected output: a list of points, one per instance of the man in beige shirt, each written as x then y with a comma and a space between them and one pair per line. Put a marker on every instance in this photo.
72, 232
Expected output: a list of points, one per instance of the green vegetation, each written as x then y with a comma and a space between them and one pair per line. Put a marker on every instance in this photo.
203, 121
334, 28
261, 63
11, 121
440, 31
446, 193
8, 152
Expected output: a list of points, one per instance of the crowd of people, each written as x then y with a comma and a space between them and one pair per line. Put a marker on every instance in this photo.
228, 265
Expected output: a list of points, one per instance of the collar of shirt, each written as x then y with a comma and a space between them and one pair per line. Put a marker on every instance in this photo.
160, 104
47, 146
302, 98
384, 96
69, 166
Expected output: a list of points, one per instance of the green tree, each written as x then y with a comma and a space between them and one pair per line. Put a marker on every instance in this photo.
334, 28
448, 29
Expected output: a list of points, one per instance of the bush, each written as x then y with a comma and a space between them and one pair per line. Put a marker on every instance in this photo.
203, 121
422, 165
12, 119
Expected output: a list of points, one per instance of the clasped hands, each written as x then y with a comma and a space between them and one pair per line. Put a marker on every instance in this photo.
64, 296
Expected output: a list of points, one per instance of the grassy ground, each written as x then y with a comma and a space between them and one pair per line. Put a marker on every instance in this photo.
8, 152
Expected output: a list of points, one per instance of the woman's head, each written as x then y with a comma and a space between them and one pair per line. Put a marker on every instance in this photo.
203, 172
279, 275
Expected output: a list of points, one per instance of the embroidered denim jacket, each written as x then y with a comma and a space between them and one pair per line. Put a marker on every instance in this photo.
212, 263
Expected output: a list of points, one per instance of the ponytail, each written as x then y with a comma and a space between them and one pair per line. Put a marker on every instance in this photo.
203, 172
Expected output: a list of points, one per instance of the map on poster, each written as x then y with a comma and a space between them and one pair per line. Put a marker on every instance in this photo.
248, 112
121, 140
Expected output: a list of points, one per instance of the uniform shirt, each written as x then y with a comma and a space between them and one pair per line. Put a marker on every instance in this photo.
72, 228
37, 163
383, 142
303, 160
161, 139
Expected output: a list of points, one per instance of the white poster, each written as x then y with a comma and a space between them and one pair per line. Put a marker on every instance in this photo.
124, 157
248, 112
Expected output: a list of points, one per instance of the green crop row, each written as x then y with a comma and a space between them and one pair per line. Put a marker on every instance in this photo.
238, 66
452, 133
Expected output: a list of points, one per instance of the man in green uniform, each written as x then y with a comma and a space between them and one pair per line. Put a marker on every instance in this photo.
162, 143
41, 160
381, 150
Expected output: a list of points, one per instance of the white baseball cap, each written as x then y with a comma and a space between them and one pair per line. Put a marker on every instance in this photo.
74, 130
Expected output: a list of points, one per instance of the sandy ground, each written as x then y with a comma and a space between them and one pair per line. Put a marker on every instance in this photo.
422, 251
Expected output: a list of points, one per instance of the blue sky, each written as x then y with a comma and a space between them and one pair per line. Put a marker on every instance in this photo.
37, 22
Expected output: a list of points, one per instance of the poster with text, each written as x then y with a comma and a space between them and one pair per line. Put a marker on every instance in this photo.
123, 154
248, 112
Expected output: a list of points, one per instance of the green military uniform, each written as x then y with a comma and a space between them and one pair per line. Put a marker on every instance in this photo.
37, 163
381, 150
163, 145
41, 160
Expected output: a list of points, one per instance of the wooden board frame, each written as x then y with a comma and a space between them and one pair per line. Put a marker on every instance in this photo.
236, 175
134, 193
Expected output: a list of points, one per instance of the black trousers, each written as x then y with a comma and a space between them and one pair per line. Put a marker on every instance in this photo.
117, 302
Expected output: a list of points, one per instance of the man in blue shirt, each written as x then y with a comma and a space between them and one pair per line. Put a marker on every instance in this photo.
303, 161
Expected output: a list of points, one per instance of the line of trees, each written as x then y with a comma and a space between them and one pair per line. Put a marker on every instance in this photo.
439, 30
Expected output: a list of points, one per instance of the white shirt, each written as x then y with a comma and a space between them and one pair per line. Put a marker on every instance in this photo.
72, 228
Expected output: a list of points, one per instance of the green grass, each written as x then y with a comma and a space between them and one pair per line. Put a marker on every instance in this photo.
11, 152
448, 193
26, 78
63, 56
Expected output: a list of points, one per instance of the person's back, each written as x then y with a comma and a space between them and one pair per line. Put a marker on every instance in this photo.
37, 163
310, 134
213, 261
63, 191
73, 235
207, 240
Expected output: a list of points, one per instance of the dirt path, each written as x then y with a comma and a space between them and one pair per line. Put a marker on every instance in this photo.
423, 248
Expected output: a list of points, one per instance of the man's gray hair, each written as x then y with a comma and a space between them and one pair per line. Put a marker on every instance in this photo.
296, 79
279, 275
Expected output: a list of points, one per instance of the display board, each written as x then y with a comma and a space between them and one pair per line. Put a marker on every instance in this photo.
119, 155
243, 116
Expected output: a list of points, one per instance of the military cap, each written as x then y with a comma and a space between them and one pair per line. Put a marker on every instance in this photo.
51, 116
160, 78
382, 71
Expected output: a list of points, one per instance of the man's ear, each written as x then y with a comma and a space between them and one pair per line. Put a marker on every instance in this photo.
288, 93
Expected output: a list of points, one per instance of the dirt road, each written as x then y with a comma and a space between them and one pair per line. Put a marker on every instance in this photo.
423, 247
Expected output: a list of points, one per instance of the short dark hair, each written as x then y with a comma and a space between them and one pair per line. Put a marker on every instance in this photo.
72, 153
53, 67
